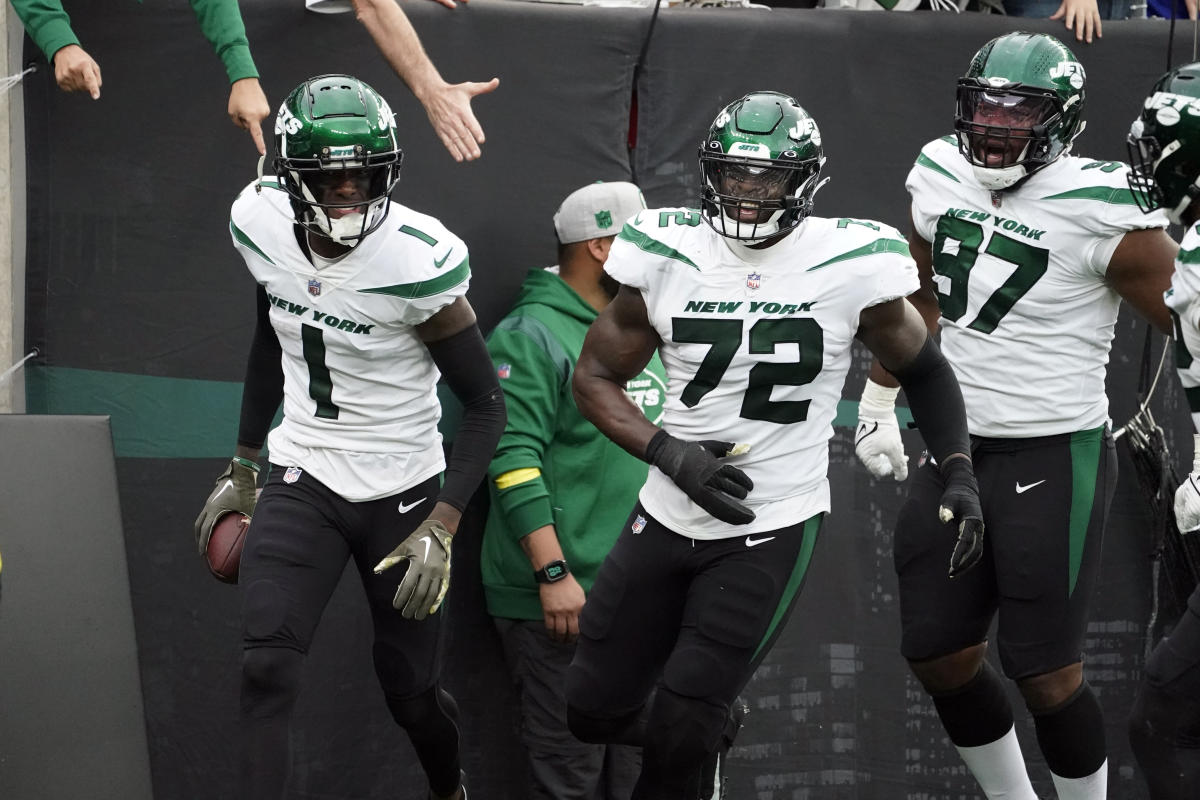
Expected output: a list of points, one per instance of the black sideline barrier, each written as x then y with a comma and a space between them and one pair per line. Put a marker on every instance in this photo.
130, 272
71, 720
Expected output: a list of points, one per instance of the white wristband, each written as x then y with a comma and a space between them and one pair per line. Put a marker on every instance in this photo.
878, 399
1196, 452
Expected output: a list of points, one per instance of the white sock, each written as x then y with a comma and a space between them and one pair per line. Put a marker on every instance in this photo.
1090, 787
1000, 769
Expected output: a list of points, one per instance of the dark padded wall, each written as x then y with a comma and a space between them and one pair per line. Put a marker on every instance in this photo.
142, 310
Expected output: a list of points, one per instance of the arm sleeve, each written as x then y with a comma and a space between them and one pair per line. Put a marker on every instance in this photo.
532, 382
221, 23
262, 390
464, 363
46, 23
936, 401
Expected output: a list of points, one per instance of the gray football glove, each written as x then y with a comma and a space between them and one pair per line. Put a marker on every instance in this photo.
235, 491
424, 585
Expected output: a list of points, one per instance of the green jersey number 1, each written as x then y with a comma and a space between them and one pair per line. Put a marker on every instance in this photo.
320, 384
1031, 264
725, 337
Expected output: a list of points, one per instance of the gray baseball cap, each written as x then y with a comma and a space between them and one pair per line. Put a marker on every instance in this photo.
598, 209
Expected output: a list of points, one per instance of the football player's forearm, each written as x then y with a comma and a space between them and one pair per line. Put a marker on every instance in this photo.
935, 400
604, 403
467, 369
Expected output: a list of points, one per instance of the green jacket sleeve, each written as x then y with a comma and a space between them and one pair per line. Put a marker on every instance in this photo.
46, 23
531, 392
221, 23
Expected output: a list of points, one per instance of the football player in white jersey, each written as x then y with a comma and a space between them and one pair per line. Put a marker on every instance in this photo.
753, 305
360, 307
1164, 151
1025, 253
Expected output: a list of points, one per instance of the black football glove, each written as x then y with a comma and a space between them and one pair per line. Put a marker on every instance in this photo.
235, 491
697, 470
960, 500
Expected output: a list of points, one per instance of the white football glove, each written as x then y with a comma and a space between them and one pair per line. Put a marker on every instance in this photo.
1187, 496
877, 440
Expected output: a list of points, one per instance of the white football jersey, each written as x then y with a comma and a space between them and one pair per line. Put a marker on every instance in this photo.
1183, 298
756, 346
1027, 318
360, 407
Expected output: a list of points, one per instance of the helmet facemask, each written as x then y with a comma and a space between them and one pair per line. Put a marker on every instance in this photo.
1005, 133
752, 200
321, 192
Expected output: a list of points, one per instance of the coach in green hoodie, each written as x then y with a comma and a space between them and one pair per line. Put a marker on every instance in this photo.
560, 492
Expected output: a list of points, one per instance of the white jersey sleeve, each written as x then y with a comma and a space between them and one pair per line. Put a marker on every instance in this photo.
1183, 298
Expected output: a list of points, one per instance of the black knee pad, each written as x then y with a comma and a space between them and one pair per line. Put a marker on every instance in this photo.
683, 731
418, 711
270, 679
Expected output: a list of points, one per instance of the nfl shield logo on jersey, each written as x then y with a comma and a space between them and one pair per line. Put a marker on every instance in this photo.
292, 475
639, 524
753, 280
314, 287
503, 371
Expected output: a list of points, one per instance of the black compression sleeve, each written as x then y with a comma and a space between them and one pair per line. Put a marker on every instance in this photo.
935, 401
262, 390
467, 368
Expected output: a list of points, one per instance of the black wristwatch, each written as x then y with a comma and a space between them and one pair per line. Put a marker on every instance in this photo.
552, 571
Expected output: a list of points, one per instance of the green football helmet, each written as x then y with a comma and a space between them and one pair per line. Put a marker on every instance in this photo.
336, 156
760, 166
1164, 145
1020, 107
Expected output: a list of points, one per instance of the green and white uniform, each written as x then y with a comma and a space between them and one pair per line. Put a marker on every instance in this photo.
1183, 298
1027, 317
756, 345
360, 402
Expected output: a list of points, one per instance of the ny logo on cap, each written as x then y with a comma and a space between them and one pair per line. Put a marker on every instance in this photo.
604, 219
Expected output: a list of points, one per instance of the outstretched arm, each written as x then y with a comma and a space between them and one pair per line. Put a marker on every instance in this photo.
448, 105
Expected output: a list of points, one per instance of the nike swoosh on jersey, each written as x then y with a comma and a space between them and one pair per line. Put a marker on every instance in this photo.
1023, 489
751, 541
438, 262
405, 508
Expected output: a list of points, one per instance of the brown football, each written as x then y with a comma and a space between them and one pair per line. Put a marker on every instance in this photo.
224, 553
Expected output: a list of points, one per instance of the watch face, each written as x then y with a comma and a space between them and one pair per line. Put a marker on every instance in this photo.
555, 571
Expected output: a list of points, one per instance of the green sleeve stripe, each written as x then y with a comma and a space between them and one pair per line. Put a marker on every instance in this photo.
241, 236
1105, 194
877, 246
927, 162
424, 237
427, 288
541, 336
653, 246
1189, 256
